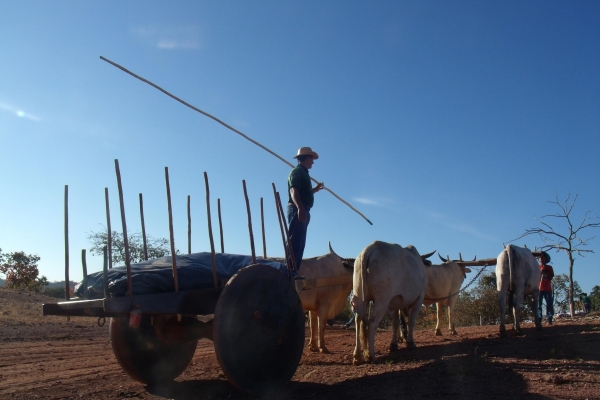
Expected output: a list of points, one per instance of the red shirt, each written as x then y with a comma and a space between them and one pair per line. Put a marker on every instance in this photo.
547, 275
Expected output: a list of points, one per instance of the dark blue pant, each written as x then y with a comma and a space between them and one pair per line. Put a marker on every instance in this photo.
549, 305
297, 232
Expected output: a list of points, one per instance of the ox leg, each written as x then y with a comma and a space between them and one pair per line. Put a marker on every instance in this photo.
403, 333
517, 311
377, 315
439, 315
451, 319
412, 320
314, 328
360, 349
321, 332
502, 305
395, 331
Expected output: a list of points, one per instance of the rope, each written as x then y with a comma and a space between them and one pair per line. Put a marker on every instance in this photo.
461, 290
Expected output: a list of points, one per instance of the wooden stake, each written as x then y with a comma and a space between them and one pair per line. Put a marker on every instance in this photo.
173, 254
189, 213
105, 273
109, 230
282, 222
249, 223
287, 233
262, 224
220, 225
210, 235
84, 282
124, 224
143, 228
67, 285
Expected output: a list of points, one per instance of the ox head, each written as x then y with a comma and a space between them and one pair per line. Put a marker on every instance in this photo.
473, 263
424, 258
348, 262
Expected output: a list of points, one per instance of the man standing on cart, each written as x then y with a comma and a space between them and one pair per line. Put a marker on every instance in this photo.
301, 199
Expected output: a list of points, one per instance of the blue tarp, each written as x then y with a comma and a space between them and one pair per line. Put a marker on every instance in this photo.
194, 271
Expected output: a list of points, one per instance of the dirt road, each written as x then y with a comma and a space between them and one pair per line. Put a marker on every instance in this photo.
50, 358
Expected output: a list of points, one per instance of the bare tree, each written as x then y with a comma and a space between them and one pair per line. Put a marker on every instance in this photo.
569, 240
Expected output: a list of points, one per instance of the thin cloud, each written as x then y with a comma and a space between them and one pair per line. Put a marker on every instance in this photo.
458, 226
172, 38
19, 113
363, 200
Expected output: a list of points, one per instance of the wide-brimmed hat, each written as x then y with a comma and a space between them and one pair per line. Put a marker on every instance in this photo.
306, 151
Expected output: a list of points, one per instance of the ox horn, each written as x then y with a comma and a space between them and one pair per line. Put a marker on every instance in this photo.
425, 256
460, 256
331, 250
442, 258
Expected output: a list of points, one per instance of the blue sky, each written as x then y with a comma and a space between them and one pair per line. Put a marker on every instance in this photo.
450, 125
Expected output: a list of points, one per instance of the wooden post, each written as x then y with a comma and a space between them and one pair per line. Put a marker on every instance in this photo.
105, 273
189, 212
210, 236
249, 223
67, 285
262, 224
220, 225
143, 228
84, 281
173, 254
281, 220
109, 229
124, 223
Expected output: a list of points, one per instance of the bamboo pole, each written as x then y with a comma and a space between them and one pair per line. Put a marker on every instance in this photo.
249, 223
210, 235
220, 225
109, 229
143, 228
105, 273
173, 254
124, 224
262, 224
84, 267
189, 215
231, 128
67, 284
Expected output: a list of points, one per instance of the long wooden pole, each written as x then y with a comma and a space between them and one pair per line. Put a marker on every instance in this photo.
210, 235
231, 128
249, 223
172, 237
143, 228
262, 224
287, 233
105, 272
282, 223
67, 284
220, 226
189, 215
124, 224
84, 267
108, 230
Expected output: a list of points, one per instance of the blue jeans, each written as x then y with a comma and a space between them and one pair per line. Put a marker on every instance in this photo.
297, 231
549, 305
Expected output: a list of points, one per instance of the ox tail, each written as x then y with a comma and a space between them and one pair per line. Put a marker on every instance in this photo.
511, 261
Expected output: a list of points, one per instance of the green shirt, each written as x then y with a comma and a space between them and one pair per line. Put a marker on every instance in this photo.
300, 179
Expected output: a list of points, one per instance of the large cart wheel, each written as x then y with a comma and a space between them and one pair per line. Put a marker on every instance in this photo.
259, 329
144, 356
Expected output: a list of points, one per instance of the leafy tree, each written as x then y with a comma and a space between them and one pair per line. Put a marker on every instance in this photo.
157, 248
568, 239
560, 290
595, 297
21, 271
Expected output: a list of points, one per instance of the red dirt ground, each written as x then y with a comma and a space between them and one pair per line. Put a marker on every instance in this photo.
50, 358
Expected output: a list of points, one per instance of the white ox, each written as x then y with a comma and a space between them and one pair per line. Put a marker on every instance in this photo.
518, 274
393, 278
323, 303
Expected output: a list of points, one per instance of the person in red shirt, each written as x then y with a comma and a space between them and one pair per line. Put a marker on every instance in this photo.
546, 288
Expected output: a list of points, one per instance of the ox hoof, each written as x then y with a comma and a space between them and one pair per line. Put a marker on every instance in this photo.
313, 348
438, 332
358, 361
393, 347
538, 327
503, 334
453, 333
324, 350
519, 332
410, 346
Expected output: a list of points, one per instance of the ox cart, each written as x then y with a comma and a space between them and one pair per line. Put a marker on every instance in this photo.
159, 309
